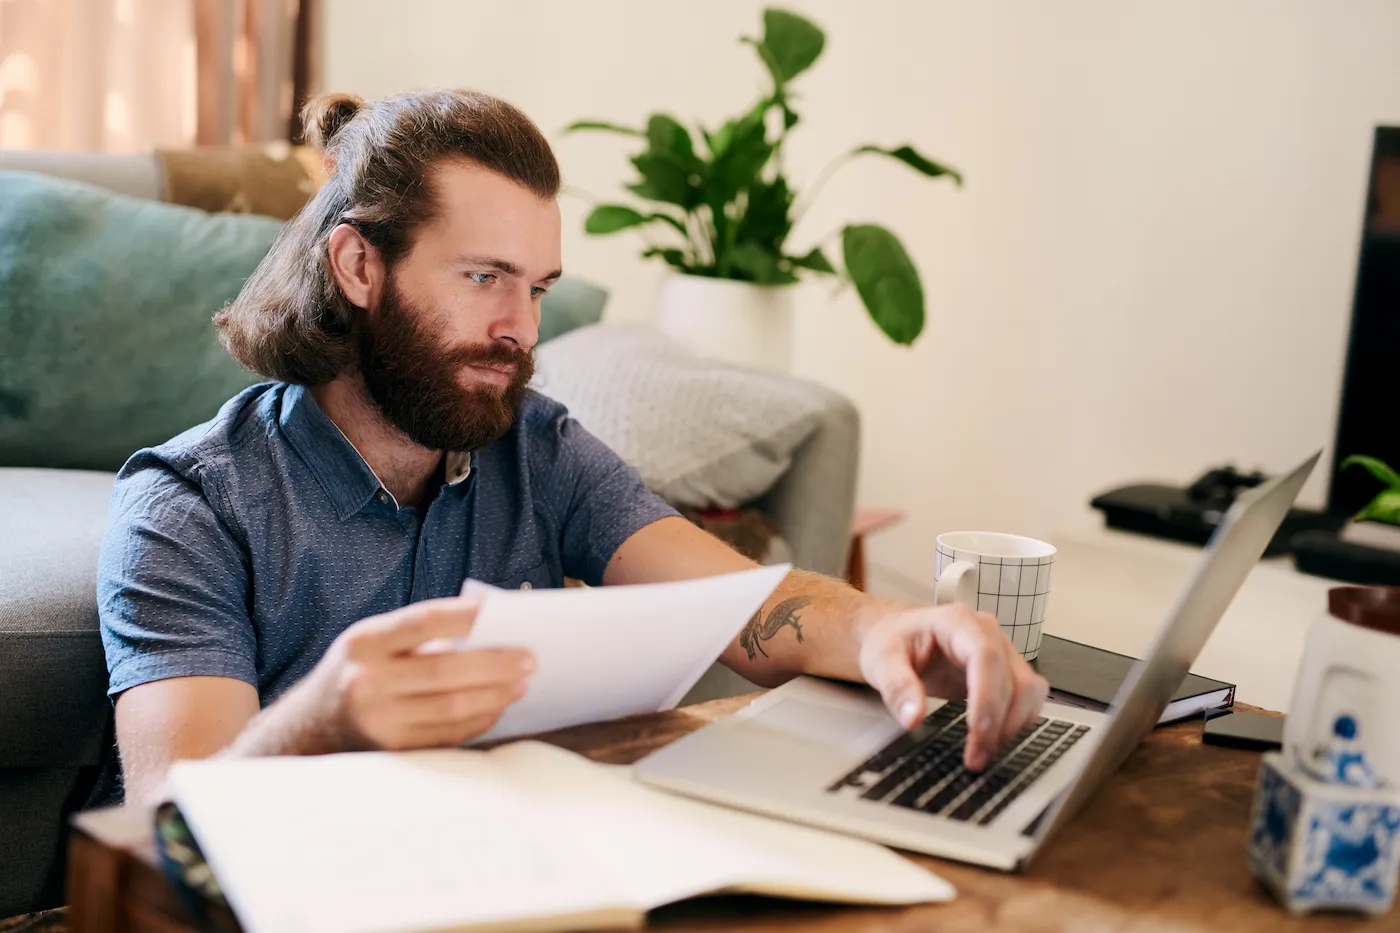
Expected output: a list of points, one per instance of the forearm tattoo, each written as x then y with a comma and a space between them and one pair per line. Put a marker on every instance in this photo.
785, 613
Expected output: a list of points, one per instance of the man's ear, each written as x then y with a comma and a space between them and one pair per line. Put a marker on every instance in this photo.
356, 266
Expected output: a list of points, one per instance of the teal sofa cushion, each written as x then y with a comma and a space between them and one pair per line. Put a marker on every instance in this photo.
106, 338
569, 304
107, 343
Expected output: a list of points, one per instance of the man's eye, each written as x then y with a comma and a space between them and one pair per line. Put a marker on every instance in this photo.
482, 278
537, 290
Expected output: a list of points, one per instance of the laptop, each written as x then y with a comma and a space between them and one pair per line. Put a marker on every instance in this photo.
829, 754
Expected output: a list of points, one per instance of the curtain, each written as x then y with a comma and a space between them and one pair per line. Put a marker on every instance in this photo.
129, 75
253, 62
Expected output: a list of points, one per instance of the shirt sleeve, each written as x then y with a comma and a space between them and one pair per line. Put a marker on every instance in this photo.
172, 583
600, 499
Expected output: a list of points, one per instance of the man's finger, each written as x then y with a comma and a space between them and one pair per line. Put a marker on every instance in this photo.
410, 674
890, 670
971, 643
455, 707
443, 735
1017, 706
405, 629
1031, 691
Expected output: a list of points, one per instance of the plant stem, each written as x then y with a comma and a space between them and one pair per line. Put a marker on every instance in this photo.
731, 233
804, 200
778, 146
707, 231
695, 236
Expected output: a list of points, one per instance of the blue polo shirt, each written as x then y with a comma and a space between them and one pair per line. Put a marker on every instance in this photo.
242, 547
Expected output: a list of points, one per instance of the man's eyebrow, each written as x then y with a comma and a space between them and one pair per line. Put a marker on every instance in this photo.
502, 265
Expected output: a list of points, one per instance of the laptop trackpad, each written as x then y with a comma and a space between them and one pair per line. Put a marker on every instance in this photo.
830, 726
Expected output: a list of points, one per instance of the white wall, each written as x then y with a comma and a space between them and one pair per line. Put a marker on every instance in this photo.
1150, 267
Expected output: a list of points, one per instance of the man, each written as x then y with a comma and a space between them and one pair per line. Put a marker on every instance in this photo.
267, 577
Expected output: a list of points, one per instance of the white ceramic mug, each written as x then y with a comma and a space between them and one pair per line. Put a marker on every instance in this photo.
1006, 575
1341, 723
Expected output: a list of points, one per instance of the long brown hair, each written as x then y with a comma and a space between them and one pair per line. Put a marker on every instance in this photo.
291, 322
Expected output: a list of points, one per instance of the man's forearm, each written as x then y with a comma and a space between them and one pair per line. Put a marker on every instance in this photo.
164, 721
296, 723
812, 624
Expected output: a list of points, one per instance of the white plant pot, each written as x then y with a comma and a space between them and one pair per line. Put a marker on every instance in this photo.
737, 322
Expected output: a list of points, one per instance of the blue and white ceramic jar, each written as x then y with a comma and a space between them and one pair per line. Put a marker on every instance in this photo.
1325, 828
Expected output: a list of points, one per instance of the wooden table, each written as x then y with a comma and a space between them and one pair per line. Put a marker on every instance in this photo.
1162, 848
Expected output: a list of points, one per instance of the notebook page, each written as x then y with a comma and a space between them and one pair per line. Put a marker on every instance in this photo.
374, 843
665, 848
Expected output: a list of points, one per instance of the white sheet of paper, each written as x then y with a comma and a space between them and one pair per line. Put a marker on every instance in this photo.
613, 651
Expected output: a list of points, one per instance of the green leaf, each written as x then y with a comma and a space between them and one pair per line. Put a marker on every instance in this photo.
610, 218
1375, 467
1384, 508
753, 263
719, 140
741, 162
673, 257
886, 279
766, 216
670, 170
600, 125
914, 160
664, 179
770, 61
672, 221
667, 138
790, 116
816, 261
794, 42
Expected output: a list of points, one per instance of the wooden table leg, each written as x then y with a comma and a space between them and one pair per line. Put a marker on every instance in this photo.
855, 566
94, 875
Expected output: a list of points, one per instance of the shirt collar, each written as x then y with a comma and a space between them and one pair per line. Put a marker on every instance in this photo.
338, 466
457, 465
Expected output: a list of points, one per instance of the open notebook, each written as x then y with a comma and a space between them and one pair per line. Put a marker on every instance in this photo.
523, 837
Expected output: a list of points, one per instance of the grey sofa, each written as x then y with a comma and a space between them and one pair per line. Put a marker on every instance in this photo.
55, 720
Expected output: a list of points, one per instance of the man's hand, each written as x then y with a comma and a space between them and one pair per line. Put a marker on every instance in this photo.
374, 688
953, 652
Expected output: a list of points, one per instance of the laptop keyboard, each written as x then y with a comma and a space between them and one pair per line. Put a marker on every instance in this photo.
923, 770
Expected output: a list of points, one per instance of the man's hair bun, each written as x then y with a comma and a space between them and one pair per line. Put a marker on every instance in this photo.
324, 116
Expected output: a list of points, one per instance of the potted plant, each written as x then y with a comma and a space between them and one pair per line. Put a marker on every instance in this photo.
1385, 507
724, 209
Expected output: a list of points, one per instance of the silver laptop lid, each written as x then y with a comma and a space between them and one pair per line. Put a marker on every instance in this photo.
1235, 547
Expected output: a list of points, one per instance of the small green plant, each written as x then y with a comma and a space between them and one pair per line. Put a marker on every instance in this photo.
728, 208
1385, 507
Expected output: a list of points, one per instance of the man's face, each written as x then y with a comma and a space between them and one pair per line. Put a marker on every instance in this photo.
446, 352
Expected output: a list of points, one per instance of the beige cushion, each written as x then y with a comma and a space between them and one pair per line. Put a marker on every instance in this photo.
703, 434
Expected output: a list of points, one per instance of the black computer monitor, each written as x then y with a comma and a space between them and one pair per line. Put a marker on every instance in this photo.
1369, 420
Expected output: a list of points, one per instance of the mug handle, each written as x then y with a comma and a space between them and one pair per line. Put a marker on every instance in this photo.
958, 584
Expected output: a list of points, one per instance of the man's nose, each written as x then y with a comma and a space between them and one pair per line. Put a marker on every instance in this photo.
518, 320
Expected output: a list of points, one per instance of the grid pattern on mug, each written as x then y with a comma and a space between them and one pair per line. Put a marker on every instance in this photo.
1014, 589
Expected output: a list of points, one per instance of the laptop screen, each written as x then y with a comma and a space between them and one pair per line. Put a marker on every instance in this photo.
1234, 549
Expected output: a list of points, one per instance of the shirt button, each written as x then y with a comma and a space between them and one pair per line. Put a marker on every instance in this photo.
383, 497
526, 585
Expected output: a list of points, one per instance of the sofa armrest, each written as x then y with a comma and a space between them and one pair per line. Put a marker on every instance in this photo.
53, 675
813, 503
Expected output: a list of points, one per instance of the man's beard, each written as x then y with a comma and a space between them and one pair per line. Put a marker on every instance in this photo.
414, 380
